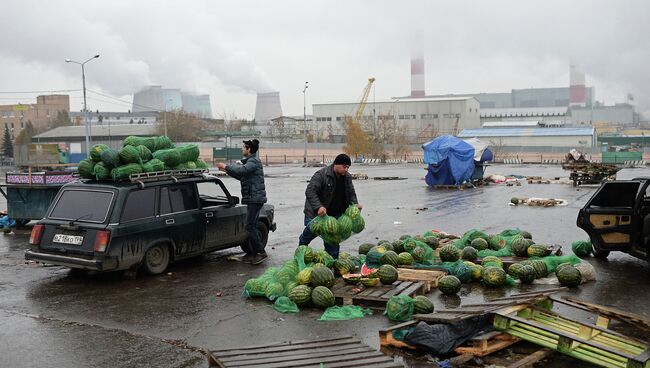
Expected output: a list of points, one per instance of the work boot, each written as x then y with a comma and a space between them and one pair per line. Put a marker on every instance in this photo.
248, 258
259, 258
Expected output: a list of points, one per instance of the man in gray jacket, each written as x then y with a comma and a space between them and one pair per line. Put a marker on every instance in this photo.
250, 174
329, 192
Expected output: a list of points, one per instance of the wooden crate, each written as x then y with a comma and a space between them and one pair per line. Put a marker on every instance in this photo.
374, 297
345, 351
428, 277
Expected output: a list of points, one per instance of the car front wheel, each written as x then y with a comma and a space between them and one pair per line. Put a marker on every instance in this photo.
156, 259
600, 253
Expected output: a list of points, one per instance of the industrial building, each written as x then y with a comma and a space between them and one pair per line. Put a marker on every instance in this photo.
534, 137
555, 116
156, 98
41, 114
114, 118
420, 119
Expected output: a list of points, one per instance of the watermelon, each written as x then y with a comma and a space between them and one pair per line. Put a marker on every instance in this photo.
494, 276
387, 274
540, 268
432, 241
330, 226
519, 246
419, 254
492, 259
496, 242
463, 272
368, 272
144, 153
101, 171
470, 253
308, 255
404, 237
537, 250
274, 290
358, 224
152, 165
322, 297
129, 155
316, 226
322, 276
479, 243
369, 281
352, 211
86, 168
525, 234
397, 246
96, 151
390, 258
255, 287
123, 172
526, 274
344, 266
581, 248
449, 285
559, 267
322, 257
304, 276
569, 276
449, 253
388, 245
352, 278
514, 269
406, 258
110, 158
422, 305
344, 255
530, 242
409, 245
345, 226
383, 242
477, 272
514, 200
284, 276
374, 255
301, 295
365, 248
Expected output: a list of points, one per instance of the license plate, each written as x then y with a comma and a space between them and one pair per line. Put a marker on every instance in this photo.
68, 239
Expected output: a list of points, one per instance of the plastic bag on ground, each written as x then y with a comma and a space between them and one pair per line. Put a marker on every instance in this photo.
284, 305
442, 339
343, 313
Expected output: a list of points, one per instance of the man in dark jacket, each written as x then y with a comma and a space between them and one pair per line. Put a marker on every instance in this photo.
329, 192
250, 173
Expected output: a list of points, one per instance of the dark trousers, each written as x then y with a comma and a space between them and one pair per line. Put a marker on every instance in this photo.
307, 236
254, 239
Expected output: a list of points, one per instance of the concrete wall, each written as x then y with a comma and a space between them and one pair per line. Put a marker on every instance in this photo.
617, 114
542, 141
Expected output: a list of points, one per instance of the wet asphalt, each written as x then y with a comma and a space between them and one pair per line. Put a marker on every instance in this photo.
50, 316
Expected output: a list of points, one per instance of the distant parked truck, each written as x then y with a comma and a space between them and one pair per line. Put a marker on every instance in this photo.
29, 191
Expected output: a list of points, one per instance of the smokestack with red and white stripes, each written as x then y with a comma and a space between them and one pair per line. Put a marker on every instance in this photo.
577, 88
417, 75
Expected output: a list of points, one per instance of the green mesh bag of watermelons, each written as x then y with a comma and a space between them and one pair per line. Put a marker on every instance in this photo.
188, 152
400, 308
344, 313
467, 238
123, 172
285, 305
86, 168
553, 261
96, 151
110, 158
153, 165
189, 165
129, 155
101, 172
144, 153
200, 164
581, 248
152, 143
171, 157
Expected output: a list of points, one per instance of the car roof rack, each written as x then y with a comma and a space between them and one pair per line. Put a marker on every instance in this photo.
174, 175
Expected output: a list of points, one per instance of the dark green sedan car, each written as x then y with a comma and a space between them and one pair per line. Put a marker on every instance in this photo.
145, 223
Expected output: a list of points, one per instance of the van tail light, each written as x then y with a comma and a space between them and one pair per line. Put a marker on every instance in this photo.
101, 240
37, 234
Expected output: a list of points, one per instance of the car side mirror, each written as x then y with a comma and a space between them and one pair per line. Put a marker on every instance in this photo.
233, 200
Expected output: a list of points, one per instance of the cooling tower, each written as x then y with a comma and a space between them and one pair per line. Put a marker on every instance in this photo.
267, 107
417, 76
577, 88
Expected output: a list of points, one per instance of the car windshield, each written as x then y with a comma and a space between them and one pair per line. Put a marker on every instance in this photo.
82, 205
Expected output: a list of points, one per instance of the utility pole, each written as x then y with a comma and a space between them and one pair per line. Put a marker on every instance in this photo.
304, 120
83, 79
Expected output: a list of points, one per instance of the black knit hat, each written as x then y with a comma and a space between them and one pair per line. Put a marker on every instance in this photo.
343, 159
253, 145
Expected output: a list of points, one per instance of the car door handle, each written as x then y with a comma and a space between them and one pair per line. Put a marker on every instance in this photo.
209, 214
169, 221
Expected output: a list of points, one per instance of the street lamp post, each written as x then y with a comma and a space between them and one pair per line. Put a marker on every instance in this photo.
83, 79
304, 120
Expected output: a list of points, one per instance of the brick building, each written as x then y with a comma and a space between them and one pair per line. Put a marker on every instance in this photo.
41, 114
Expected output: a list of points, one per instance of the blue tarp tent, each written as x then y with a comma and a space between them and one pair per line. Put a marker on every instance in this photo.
450, 161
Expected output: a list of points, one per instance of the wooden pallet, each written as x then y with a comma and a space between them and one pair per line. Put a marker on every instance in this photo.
386, 336
590, 343
345, 351
487, 343
428, 277
374, 297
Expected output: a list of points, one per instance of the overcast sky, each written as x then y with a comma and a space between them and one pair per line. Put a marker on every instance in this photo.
233, 49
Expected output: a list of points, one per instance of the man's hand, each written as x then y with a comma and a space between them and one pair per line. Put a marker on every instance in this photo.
221, 166
359, 206
322, 211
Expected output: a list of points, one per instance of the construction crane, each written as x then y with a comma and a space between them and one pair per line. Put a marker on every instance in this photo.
364, 101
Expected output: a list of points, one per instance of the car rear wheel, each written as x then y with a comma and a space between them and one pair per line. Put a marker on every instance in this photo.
264, 236
156, 259
600, 253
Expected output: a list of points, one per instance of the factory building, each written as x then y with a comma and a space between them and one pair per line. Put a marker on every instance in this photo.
534, 137
420, 119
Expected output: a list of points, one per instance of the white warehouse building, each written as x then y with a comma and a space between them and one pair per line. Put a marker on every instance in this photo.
534, 137
420, 118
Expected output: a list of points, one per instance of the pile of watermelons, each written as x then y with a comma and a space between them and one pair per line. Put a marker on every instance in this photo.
333, 230
137, 155
307, 279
